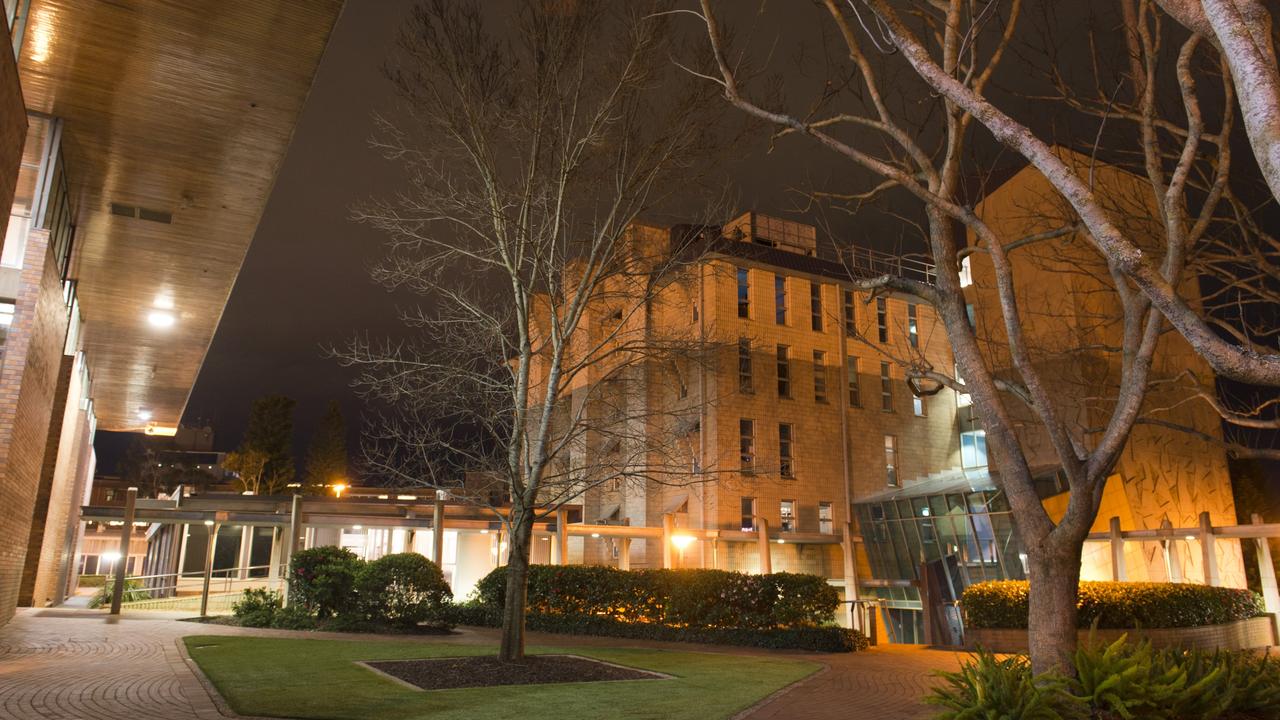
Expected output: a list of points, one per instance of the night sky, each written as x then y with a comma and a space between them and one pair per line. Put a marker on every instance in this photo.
305, 285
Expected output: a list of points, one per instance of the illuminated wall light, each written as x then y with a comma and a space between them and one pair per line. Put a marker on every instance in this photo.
160, 430
406, 497
357, 527
144, 415
161, 319
164, 302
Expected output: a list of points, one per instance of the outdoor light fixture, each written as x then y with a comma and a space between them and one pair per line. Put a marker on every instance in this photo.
1191, 537
406, 497
208, 523
595, 534
111, 556
484, 531
782, 541
161, 319
384, 497
144, 415
681, 541
357, 527
338, 488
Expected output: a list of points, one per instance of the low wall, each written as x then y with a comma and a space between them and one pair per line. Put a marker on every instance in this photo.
1256, 632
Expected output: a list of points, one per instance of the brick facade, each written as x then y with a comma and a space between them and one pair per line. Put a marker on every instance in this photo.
43, 508
28, 384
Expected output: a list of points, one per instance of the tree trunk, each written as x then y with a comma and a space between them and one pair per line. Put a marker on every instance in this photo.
1054, 575
513, 610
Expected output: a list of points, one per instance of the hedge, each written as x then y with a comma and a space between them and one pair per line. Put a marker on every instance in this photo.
1003, 604
683, 598
828, 638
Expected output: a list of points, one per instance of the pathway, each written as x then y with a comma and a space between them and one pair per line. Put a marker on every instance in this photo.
66, 664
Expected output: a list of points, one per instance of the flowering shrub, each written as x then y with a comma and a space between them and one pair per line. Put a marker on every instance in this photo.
1003, 604
681, 598
323, 580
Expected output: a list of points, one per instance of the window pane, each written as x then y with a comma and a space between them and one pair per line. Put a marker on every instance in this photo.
886, 387
850, 319
784, 371
819, 376
788, 514
780, 299
891, 459
747, 443
744, 366
882, 320
815, 305
748, 514
785, 465
744, 293
855, 394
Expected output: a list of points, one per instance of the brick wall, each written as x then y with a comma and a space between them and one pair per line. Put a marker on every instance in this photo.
28, 383
40, 514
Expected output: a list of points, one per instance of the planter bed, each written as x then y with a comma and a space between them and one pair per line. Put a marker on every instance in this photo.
1258, 632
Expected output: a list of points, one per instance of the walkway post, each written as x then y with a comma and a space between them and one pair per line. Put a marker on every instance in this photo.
126, 537
437, 531
1267, 574
562, 536
762, 535
212, 529
624, 553
1117, 551
668, 529
1207, 551
291, 544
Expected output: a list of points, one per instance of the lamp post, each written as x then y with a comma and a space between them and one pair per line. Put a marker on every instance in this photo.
681, 541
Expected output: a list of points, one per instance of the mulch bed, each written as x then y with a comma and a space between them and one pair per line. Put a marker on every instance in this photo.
485, 671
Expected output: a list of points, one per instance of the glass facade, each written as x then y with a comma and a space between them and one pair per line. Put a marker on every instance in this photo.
959, 529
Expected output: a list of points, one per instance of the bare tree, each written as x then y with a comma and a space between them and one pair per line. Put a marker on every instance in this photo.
1138, 259
531, 153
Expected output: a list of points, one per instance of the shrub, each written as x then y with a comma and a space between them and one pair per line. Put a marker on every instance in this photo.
990, 687
1003, 604
92, 580
685, 598
293, 617
323, 580
257, 607
133, 591
402, 589
1117, 680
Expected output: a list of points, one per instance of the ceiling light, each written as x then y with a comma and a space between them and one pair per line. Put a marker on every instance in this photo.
144, 415
161, 319
164, 302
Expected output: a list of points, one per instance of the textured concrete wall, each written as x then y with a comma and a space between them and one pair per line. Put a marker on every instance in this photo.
28, 384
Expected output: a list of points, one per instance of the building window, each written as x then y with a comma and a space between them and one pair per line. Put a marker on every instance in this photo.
784, 371
747, 444
850, 317
966, 274
788, 513
744, 293
815, 305
824, 518
969, 313
780, 299
918, 406
786, 466
748, 514
855, 393
819, 376
913, 326
744, 366
886, 387
973, 448
891, 460
882, 320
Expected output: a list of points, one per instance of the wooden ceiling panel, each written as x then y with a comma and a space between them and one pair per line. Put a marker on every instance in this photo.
178, 106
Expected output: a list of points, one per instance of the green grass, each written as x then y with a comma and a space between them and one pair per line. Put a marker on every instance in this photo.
319, 679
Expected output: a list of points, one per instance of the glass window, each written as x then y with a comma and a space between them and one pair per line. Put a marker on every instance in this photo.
747, 443
855, 393
744, 293
913, 326
824, 518
850, 318
918, 406
969, 313
891, 459
966, 274
748, 514
780, 299
788, 514
786, 465
819, 376
973, 448
882, 319
815, 305
962, 399
745, 383
784, 371
886, 387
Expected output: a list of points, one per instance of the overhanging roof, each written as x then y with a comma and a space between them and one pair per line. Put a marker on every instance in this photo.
181, 107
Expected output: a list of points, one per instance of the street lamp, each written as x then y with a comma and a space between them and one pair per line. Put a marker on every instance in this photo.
338, 488
681, 541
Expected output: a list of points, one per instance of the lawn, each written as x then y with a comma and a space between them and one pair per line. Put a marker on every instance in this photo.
319, 679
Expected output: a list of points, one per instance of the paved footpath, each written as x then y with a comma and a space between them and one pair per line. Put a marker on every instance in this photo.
65, 664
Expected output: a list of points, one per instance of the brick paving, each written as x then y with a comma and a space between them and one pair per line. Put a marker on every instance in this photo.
65, 664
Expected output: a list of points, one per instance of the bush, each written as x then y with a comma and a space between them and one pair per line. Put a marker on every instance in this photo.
402, 589
1003, 604
293, 617
990, 687
683, 598
1118, 680
133, 591
88, 581
257, 607
323, 580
